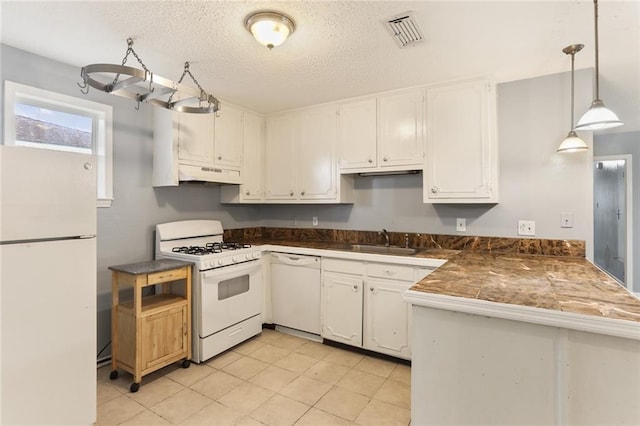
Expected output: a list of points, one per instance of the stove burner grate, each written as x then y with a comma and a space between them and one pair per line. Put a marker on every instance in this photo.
209, 248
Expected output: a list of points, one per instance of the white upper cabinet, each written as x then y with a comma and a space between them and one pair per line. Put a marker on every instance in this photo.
301, 158
317, 171
252, 188
401, 130
252, 168
184, 150
195, 138
228, 136
281, 161
357, 135
382, 134
461, 163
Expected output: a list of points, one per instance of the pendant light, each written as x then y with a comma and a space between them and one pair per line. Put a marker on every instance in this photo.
270, 28
572, 143
598, 116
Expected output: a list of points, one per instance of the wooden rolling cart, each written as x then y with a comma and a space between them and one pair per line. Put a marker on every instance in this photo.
150, 332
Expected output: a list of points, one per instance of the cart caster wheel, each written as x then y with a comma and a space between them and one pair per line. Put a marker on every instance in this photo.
134, 387
113, 375
185, 363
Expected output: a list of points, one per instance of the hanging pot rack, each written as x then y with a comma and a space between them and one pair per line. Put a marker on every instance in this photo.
142, 85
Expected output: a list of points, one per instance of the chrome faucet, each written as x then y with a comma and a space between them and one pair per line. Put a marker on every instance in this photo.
386, 237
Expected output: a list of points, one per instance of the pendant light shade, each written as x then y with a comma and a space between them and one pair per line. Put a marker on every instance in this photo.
572, 143
598, 116
270, 28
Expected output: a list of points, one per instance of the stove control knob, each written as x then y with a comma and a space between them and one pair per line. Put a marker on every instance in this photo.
220, 262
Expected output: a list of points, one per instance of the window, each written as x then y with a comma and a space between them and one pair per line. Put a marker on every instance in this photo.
43, 119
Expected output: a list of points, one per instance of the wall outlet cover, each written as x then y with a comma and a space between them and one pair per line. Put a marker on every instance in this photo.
461, 225
527, 227
566, 220
315, 220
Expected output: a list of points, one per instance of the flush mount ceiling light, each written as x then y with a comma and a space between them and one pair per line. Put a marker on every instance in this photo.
270, 28
572, 143
598, 116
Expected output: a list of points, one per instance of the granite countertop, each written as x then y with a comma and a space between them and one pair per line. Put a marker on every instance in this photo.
150, 267
480, 271
565, 284
421, 253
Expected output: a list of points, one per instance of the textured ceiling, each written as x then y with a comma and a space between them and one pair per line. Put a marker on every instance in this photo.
340, 49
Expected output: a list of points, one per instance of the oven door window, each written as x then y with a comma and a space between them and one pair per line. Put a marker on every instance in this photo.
233, 287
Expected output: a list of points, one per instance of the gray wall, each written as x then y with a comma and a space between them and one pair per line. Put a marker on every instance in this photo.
125, 230
626, 143
535, 182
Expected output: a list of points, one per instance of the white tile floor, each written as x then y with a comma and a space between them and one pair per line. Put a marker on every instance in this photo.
272, 379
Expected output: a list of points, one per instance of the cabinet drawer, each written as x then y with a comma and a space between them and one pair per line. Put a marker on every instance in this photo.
395, 272
345, 266
166, 276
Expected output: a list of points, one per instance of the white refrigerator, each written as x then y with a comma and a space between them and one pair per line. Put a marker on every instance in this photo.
47, 287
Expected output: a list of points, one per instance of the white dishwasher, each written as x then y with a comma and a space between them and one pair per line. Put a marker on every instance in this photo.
295, 291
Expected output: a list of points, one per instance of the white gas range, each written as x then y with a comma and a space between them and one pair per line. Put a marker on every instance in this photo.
227, 291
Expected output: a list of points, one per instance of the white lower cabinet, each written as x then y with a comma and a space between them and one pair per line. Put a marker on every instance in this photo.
387, 318
362, 304
342, 301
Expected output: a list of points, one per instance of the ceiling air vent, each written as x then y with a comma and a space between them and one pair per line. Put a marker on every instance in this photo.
404, 29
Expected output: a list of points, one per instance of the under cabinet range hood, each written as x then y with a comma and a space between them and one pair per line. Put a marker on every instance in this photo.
390, 173
188, 173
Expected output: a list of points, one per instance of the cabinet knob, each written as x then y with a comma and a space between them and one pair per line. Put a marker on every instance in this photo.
247, 193
385, 158
371, 289
434, 189
291, 193
219, 157
370, 160
355, 288
302, 193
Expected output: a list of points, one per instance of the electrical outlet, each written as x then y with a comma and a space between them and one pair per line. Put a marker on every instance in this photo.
461, 224
526, 227
566, 220
315, 221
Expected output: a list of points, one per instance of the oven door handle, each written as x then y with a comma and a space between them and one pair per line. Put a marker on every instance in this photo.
233, 271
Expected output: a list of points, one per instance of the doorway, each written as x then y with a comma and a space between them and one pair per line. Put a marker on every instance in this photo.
612, 216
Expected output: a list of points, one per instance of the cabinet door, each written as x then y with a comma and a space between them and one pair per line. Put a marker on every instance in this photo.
280, 157
164, 336
387, 321
357, 134
317, 171
342, 308
252, 165
401, 130
195, 138
461, 149
228, 137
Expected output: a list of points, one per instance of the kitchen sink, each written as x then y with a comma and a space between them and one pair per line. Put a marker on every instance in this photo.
381, 249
